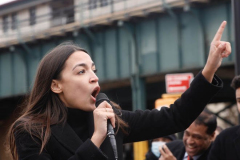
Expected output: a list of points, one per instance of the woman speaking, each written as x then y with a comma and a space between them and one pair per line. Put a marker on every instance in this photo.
61, 121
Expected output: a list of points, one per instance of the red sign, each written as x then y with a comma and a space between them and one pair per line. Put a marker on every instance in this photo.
178, 83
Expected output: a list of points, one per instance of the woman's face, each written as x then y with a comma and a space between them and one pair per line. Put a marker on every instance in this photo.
78, 86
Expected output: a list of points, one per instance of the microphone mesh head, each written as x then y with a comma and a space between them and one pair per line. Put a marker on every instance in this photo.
100, 98
103, 97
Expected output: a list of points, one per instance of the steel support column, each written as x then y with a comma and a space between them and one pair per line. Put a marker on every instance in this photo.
236, 26
137, 83
179, 29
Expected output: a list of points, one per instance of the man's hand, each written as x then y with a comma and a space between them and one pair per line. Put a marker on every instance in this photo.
166, 154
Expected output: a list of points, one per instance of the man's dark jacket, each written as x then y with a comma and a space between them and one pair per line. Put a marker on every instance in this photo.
178, 150
227, 145
151, 156
65, 144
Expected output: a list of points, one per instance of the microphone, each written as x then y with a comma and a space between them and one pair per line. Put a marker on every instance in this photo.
110, 132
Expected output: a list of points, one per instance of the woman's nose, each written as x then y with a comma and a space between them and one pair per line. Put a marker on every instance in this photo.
94, 78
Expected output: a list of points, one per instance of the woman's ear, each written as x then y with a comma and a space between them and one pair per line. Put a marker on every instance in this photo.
56, 86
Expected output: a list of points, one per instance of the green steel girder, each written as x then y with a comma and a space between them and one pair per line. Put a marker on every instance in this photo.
137, 83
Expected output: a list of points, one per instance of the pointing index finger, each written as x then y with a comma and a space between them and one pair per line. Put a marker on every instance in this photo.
219, 33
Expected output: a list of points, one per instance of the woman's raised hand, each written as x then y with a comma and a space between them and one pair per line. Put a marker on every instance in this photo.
218, 50
101, 114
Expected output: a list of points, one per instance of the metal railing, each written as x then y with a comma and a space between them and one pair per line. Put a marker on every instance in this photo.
58, 17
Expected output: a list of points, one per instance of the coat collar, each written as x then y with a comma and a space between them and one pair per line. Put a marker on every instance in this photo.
66, 136
180, 151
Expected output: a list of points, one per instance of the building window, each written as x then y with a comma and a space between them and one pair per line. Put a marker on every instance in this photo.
62, 12
32, 13
92, 4
14, 21
95, 3
5, 23
103, 3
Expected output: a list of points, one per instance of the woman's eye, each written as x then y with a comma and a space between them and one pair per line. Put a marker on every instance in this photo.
95, 70
81, 72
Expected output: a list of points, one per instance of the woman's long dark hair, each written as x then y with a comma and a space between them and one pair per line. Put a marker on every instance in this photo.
43, 107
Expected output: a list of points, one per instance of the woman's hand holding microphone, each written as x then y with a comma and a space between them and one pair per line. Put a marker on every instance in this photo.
101, 114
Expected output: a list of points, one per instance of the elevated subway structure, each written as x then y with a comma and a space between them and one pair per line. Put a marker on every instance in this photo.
133, 44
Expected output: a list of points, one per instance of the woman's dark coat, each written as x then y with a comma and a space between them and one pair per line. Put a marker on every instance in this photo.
65, 144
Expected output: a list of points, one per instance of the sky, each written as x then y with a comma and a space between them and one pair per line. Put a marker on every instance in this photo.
5, 1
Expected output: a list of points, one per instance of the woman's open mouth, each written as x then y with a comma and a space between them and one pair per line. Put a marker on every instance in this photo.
95, 92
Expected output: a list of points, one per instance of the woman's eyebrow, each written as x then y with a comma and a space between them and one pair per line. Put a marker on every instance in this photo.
82, 64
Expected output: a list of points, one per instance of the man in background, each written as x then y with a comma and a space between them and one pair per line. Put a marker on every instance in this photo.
227, 143
196, 143
154, 153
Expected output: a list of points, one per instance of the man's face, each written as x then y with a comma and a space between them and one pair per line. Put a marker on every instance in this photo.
238, 98
196, 140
